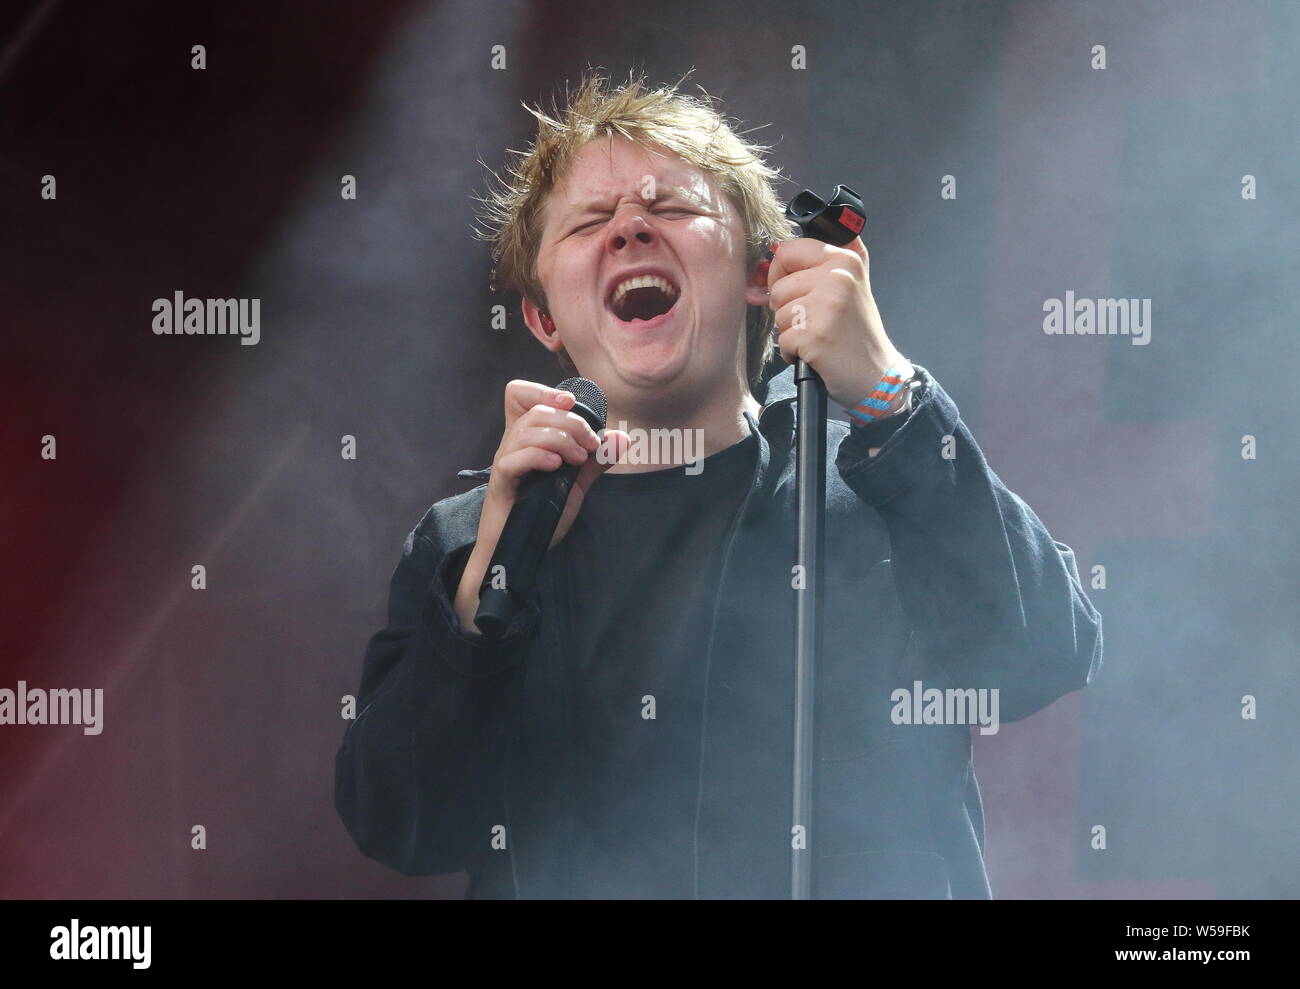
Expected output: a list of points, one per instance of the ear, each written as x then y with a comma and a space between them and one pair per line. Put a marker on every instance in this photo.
756, 284
545, 331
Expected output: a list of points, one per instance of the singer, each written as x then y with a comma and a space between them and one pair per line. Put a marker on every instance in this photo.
628, 735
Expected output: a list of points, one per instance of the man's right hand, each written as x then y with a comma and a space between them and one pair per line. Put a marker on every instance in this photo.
541, 434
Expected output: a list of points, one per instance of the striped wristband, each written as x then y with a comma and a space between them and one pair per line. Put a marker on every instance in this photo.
884, 400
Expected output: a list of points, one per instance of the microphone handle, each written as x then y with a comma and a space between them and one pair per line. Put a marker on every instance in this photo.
524, 540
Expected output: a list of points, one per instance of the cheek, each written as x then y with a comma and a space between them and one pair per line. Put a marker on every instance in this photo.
710, 232
719, 246
563, 274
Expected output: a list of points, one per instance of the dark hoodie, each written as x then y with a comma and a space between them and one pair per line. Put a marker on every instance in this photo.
465, 753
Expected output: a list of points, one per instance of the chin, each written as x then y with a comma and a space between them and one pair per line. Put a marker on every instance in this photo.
649, 372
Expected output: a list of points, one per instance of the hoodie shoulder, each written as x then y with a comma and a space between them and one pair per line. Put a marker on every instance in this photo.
453, 521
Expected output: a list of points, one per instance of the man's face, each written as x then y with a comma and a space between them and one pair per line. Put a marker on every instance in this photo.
621, 212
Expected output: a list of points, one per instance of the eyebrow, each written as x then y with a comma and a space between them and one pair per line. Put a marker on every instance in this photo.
664, 192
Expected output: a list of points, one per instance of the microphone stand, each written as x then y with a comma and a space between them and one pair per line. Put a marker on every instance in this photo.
810, 493
835, 222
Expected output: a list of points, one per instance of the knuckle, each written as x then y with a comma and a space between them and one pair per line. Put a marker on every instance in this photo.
540, 410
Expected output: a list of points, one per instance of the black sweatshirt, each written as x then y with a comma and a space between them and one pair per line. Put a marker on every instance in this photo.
478, 755
642, 564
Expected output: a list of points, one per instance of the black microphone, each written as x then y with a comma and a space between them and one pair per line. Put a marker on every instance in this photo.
512, 575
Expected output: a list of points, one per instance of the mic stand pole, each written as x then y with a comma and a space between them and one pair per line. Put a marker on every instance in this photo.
810, 491
835, 221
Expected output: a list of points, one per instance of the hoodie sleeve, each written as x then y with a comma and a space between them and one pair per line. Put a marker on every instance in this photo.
418, 775
994, 601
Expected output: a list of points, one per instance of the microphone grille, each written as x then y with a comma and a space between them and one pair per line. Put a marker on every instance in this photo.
589, 394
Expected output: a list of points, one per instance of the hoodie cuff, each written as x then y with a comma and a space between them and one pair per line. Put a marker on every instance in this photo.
911, 450
466, 651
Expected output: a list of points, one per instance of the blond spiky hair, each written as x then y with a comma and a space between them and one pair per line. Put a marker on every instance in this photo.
665, 119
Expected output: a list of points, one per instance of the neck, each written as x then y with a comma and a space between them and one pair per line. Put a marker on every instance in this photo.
707, 428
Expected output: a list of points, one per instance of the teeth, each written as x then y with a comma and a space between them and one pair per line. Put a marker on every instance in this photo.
642, 281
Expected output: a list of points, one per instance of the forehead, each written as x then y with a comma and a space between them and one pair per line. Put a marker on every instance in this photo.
609, 168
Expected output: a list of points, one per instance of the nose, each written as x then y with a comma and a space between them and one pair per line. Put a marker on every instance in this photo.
628, 226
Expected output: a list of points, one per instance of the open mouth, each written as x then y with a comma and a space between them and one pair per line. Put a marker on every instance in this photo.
643, 298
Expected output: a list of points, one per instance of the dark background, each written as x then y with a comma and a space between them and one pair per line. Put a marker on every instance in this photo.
222, 705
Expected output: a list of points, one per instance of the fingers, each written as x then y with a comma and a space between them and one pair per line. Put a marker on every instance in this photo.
551, 438
545, 417
541, 434
810, 286
790, 287
542, 428
805, 252
523, 395
533, 406
520, 462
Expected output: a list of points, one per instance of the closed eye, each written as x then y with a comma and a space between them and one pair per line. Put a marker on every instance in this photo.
679, 210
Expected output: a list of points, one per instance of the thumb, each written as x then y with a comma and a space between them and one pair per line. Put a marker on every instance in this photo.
614, 443
857, 247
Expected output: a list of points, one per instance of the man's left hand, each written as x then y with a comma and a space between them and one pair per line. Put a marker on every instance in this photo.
827, 316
